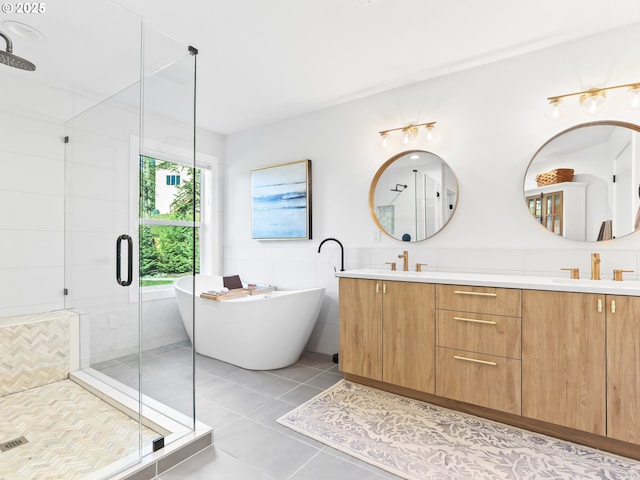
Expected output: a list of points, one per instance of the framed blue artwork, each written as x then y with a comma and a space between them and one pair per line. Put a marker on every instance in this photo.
281, 201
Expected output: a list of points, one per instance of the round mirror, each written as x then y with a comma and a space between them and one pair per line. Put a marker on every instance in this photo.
584, 183
413, 195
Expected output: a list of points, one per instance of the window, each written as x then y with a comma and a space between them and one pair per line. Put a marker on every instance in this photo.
173, 179
173, 217
169, 220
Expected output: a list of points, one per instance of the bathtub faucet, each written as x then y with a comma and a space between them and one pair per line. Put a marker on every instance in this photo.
341, 250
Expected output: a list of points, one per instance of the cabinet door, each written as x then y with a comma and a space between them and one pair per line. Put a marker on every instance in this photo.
361, 327
623, 368
408, 345
563, 359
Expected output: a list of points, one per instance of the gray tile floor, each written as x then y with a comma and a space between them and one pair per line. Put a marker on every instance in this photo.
242, 406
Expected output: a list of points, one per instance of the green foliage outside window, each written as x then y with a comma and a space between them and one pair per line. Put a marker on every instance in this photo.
167, 251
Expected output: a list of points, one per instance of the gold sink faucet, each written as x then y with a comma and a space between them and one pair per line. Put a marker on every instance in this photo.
595, 266
617, 274
405, 259
575, 272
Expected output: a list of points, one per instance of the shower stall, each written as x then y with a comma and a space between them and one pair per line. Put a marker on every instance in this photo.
76, 135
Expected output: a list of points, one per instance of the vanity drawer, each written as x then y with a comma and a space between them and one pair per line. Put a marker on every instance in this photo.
486, 380
499, 301
479, 332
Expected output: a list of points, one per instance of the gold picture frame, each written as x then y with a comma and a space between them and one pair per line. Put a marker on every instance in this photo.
281, 201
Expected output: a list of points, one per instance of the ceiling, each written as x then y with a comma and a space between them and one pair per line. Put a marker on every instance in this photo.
262, 61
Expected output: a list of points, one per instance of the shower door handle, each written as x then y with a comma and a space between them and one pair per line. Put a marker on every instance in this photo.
127, 282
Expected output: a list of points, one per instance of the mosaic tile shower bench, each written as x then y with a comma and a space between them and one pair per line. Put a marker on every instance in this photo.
35, 350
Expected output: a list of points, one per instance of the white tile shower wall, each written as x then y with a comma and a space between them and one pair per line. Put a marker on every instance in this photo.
32, 214
97, 211
491, 120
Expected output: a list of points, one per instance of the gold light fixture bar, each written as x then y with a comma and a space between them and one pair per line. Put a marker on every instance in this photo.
593, 91
408, 127
591, 100
409, 133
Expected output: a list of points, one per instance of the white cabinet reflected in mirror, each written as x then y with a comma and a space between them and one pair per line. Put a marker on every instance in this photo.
601, 200
413, 195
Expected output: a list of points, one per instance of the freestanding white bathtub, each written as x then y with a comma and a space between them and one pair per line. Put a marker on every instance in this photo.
256, 332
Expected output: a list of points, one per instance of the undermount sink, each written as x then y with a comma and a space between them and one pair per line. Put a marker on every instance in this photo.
580, 281
601, 283
399, 273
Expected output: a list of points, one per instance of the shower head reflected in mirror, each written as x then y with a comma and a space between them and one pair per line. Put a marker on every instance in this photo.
8, 58
398, 188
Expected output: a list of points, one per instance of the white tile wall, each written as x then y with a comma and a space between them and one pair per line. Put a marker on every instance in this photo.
32, 215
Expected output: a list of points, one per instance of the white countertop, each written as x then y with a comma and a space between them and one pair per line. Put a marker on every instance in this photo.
528, 282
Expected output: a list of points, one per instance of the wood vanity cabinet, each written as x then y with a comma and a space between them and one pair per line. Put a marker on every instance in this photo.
623, 368
563, 359
478, 346
360, 328
387, 332
539, 359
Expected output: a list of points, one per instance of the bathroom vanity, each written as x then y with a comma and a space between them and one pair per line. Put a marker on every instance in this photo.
553, 355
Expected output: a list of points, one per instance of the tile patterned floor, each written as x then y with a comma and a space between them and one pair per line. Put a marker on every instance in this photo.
242, 407
62, 444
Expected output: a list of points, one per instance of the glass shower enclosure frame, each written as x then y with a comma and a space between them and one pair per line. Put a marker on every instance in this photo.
123, 326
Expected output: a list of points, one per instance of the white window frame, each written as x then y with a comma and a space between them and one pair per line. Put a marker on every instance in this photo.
210, 211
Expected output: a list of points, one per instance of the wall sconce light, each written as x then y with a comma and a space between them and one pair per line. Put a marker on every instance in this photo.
592, 100
408, 133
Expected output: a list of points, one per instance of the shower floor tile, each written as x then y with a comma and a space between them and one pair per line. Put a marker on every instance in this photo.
70, 433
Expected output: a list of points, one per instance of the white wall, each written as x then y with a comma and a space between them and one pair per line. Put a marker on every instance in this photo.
491, 120
31, 214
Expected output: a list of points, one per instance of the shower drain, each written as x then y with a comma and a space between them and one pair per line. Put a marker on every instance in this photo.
16, 442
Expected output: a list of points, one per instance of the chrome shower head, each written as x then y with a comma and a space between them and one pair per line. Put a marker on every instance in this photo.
8, 58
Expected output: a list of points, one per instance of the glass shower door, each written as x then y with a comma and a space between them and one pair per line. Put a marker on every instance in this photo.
99, 258
130, 332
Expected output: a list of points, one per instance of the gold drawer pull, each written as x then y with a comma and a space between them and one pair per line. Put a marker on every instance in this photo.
474, 360
479, 294
474, 320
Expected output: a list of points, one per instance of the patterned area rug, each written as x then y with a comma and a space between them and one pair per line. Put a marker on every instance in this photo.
417, 441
